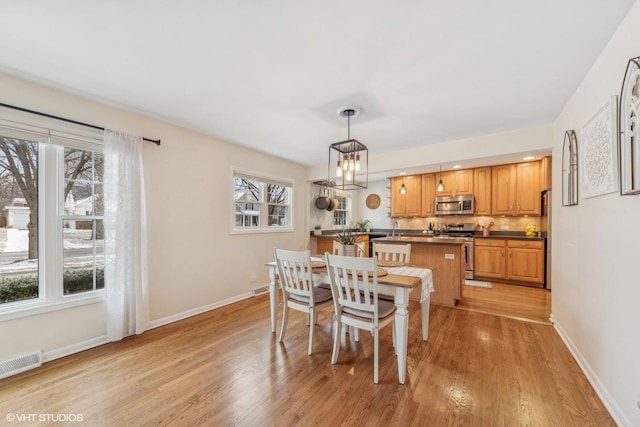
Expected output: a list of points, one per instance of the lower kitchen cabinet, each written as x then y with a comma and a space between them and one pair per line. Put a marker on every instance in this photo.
520, 261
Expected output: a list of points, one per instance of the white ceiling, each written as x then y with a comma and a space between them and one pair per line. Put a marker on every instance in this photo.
271, 75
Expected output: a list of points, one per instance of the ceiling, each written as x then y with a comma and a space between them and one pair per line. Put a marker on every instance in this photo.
271, 75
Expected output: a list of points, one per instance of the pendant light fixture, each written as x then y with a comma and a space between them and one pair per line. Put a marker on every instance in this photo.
349, 159
440, 187
403, 189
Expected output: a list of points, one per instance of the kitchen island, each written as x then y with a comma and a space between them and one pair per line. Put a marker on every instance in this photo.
443, 256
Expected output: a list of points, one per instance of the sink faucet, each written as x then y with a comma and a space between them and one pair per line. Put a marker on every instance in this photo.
395, 225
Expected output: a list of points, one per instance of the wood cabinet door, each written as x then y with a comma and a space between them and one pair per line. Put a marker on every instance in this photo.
397, 200
489, 261
463, 182
448, 182
545, 173
325, 244
482, 190
428, 193
525, 261
527, 189
503, 179
413, 198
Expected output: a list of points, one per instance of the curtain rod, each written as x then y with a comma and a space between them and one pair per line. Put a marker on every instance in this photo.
155, 141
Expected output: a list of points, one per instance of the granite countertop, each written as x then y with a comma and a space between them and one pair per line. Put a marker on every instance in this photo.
406, 234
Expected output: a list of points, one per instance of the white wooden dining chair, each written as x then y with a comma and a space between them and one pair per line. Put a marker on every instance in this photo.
354, 284
298, 289
392, 255
338, 249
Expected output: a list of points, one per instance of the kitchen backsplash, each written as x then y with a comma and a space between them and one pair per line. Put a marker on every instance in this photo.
511, 223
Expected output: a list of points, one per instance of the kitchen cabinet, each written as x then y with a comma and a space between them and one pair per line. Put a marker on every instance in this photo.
515, 189
545, 173
457, 182
410, 203
482, 191
428, 194
325, 244
511, 260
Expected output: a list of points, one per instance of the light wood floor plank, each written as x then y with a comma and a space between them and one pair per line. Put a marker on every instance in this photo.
225, 368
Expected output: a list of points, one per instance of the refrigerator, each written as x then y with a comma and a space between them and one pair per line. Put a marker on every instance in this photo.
545, 227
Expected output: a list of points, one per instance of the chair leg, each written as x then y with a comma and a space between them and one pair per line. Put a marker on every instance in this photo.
285, 317
375, 355
312, 315
336, 340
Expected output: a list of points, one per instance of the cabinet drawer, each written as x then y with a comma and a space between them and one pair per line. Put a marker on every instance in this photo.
529, 244
489, 242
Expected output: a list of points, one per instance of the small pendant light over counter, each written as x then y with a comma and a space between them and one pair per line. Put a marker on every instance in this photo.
440, 186
403, 189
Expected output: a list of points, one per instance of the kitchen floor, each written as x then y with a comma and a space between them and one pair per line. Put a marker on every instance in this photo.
513, 301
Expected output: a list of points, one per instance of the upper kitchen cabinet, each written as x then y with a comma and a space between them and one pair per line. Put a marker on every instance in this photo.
428, 194
545, 173
457, 183
408, 204
515, 189
482, 190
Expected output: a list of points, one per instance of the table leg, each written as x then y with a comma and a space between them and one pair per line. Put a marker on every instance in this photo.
402, 330
424, 310
273, 297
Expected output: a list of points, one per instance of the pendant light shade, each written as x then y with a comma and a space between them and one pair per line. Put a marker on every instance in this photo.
403, 189
440, 186
349, 159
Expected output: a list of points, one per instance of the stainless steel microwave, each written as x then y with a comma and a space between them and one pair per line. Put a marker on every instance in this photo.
454, 205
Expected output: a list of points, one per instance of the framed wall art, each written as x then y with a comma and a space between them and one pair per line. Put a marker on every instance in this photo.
629, 126
599, 152
570, 169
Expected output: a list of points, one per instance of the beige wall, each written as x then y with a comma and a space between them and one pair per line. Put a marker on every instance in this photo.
596, 246
194, 262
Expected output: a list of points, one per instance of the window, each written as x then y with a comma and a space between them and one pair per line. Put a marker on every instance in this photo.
342, 214
261, 203
51, 229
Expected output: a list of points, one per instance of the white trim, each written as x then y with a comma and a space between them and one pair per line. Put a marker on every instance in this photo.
74, 348
38, 306
608, 401
264, 178
199, 310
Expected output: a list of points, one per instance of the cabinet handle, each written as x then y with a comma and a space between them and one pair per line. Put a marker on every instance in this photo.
524, 244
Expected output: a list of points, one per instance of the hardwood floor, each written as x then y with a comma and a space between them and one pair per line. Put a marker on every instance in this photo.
226, 368
513, 301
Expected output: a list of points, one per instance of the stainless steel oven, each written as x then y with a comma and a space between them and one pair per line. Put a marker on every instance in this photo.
456, 205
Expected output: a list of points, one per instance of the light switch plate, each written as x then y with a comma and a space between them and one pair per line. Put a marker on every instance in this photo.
449, 256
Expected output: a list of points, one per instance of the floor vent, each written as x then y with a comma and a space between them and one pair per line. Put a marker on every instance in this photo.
20, 364
260, 290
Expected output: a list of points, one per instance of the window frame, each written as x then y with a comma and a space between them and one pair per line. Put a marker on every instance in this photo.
347, 212
52, 140
264, 179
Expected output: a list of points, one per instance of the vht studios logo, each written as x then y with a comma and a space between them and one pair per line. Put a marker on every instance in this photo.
52, 418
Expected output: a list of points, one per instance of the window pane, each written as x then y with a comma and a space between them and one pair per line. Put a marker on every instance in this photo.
83, 255
83, 182
247, 215
278, 215
276, 193
246, 190
19, 220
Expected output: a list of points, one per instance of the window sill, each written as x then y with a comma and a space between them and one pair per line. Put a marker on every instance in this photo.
39, 307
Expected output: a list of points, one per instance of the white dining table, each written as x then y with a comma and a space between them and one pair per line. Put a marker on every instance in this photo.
399, 282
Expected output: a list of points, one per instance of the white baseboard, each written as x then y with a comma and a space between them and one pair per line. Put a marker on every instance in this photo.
199, 310
74, 348
608, 401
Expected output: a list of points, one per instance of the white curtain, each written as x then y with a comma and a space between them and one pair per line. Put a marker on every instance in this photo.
125, 236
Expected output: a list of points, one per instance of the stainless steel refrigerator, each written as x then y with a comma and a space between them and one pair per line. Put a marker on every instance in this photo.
545, 227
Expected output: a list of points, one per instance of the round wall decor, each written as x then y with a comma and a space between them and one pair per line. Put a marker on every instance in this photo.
373, 201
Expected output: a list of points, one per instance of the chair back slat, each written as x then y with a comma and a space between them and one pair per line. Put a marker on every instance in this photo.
338, 249
354, 281
294, 268
392, 252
